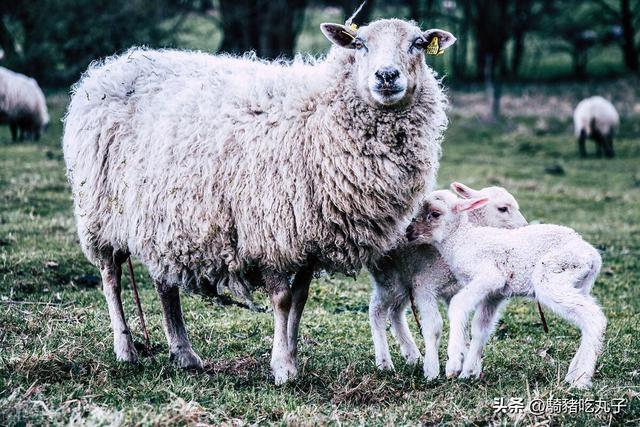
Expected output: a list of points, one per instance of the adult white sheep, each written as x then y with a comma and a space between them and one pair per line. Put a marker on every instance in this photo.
417, 268
215, 169
597, 118
550, 263
22, 105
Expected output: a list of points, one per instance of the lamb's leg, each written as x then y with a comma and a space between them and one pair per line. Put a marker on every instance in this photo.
180, 350
282, 363
608, 145
299, 294
110, 270
460, 306
584, 312
482, 326
401, 332
378, 310
431, 322
581, 144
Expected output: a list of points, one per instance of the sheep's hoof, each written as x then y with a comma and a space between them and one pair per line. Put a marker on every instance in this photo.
471, 373
124, 349
412, 359
186, 359
283, 371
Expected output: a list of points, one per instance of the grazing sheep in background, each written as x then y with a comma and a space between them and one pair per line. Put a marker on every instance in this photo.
218, 171
22, 105
597, 118
550, 263
419, 269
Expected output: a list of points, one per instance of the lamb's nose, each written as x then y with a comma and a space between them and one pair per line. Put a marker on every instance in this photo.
387, 75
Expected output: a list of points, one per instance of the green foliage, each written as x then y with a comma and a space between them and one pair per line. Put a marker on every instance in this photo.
57, 365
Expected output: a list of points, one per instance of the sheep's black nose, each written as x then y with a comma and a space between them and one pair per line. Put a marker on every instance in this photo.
387, 75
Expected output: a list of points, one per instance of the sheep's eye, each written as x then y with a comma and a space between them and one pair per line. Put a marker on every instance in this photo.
435, 214
358, 44
503, 209
419, 43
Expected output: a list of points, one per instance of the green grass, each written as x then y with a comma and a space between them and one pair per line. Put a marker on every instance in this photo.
57, 365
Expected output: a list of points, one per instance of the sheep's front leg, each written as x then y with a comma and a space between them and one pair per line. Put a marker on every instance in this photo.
582, 139
431, 323
282, 363
123, 347
460, 306
299, 294
180, 350
482, 325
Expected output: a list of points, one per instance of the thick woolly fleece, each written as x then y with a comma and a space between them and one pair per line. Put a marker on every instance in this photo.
595, 112
22, 101
205, 166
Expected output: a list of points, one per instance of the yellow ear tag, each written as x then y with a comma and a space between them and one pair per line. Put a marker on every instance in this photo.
353, 27
434, 47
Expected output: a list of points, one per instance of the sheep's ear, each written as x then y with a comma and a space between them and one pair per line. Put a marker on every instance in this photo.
470, 204
339, 35
463, 191
443, 41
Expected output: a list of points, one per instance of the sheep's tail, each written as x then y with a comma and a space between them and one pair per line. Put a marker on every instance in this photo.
136, 297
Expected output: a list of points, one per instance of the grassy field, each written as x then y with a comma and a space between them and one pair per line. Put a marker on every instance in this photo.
57, 365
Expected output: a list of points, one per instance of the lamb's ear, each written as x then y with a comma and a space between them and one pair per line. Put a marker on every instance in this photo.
339, 35
470, 204
463, 191
437, 47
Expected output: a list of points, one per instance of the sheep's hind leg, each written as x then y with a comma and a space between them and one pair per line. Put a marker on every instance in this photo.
299, 294
180, 350
282, 363
581, 144
123, 347
482, 325
582, 310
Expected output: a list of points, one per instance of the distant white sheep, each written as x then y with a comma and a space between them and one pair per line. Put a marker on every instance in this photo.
418, 268
596, 118
22, 105
221, 171
550, 263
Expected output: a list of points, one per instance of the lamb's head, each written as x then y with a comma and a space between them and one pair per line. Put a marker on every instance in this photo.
388, 58
440, 215
501, 211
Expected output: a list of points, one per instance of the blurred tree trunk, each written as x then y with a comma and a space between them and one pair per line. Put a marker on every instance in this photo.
628, 35
7, 44
268, 27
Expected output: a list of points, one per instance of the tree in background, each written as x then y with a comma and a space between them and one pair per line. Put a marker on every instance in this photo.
626, 16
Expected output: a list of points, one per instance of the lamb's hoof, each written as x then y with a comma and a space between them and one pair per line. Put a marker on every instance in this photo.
582, 381
412, 359
125, 350
470, 373
453, 368
186, 359
385, 365
283, 371
431, 372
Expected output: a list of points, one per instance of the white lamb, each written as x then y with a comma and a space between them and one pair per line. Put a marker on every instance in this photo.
22, 105
550, 263
418, 268
597, 118
223, 172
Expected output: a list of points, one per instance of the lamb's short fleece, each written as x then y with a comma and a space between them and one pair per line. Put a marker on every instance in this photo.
550, 263
418, 268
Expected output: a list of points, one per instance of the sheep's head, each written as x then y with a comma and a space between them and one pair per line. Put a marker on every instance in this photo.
388, 57
502, 209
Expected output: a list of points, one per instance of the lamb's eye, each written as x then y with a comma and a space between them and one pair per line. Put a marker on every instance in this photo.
435, 214
503, 209
358, 44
